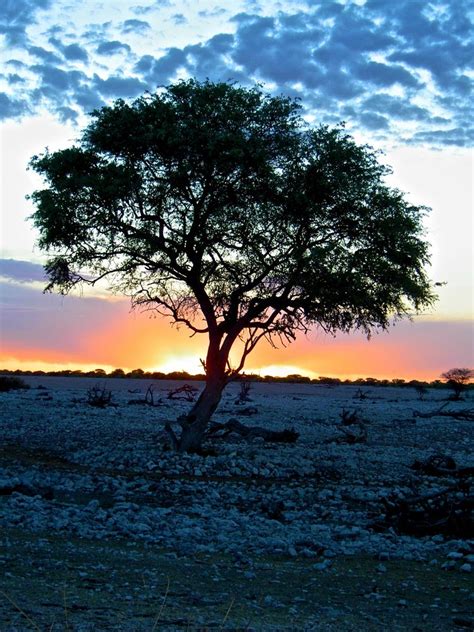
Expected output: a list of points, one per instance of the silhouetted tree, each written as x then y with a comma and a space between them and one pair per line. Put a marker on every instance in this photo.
218, 206
457, 380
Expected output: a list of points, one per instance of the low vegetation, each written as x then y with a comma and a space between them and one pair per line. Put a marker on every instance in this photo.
12, 383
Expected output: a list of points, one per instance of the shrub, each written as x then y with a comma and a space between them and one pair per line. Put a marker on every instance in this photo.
99, 396
11, 383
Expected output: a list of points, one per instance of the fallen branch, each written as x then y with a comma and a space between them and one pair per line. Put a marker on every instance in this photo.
186, 392
148, 401
251, 432
448, 512
355, 434
466, 413
442, 465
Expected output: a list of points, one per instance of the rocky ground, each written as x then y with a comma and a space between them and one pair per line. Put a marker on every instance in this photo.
104, 528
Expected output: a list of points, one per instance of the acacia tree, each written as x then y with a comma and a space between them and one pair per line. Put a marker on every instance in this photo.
218, 206
458, 379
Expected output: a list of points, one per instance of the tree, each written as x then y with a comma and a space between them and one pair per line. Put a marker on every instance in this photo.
457, 380
219, 207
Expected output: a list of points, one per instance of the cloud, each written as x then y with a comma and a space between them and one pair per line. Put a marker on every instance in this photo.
44, 55
135, 26
21, 271
384, 74
396, 107
157, 71
14, 78
115, 86
33, 319
56, 78
74, 52
373, 121
16, 63
112, 47
88, 98
179, 19
458, 137
66, 114
376, 64
156, 5
12, 108
212, 13
71, 52
16, 16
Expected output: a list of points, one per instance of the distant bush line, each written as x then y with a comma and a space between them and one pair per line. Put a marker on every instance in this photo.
250, 377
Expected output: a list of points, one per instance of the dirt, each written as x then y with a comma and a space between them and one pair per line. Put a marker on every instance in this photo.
68, 584
55, 583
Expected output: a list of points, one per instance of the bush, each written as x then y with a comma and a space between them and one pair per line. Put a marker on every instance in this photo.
99, 396
9, 383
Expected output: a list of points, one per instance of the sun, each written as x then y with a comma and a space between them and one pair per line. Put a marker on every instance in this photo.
282, 370
180, 362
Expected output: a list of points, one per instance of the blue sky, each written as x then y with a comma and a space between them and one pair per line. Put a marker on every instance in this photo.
398, 72
389, 68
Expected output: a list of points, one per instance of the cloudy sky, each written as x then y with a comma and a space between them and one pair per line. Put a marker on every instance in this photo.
398, 73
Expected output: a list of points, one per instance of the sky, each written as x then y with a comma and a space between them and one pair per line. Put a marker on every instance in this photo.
398, 73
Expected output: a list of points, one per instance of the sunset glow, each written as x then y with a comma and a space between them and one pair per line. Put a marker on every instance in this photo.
121, 339
369, 64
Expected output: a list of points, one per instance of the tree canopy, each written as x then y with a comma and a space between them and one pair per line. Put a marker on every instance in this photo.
220, 207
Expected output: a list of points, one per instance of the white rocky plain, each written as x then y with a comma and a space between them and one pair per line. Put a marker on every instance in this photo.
107, 474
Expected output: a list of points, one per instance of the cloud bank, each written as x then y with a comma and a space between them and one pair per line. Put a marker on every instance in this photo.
394, 69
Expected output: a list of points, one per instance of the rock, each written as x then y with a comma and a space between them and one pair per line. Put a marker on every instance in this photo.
322, 566
448, 566
466, 568
93, 506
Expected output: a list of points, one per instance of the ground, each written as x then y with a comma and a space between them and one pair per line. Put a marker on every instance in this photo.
105, 529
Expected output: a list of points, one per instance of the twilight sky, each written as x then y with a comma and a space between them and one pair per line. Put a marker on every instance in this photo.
398, 73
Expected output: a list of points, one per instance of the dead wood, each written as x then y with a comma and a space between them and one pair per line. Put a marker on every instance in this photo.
448, 512
438, 465
186, 392
251, 432
149, 399
466, 413
99, 396
244, 396
348, 418
442, 465
356, 433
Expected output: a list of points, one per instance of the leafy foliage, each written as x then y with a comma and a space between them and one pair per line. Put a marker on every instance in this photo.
218, 206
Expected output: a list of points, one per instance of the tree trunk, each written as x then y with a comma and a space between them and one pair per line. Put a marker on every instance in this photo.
196, 421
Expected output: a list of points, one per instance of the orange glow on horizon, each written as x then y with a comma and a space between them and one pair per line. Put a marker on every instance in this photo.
131, 340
